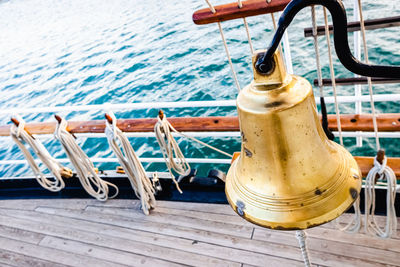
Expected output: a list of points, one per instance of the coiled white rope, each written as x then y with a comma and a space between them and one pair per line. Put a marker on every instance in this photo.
91, 182
21, 136
370, 224
301, 237
172, 154
131, 164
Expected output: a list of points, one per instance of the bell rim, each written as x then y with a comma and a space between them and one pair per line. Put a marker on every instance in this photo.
351, 184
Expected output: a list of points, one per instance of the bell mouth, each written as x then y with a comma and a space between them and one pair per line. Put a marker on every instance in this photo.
302, 211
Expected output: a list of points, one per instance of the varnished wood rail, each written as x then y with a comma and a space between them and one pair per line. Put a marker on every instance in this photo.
232, 11
386, 123
365, 164
355, 26
357, 80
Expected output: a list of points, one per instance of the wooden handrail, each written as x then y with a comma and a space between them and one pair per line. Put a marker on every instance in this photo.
365, 164
386, 122
356, 80
355, 26
232, 11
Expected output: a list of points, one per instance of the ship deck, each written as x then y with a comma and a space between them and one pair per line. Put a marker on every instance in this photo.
85, 232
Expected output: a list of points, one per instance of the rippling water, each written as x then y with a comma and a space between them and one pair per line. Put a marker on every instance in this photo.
56, 53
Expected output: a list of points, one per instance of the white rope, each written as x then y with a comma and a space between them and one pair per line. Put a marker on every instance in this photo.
172, 154
378, 147
301, 237
246, 26
170, 148
370, 224
226, 46
354, 225
332, 72
21, 136
91, 182
275, 27
131, 164
316, 48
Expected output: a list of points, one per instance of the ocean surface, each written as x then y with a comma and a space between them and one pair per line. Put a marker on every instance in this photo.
70, 52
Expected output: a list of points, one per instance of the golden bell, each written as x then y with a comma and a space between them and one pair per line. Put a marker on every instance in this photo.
288, 175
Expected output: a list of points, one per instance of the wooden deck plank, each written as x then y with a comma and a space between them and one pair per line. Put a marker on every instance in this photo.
204, 207
97, 237
102, 253
50, 254
8, 258
21, 235
272, 248
338, 248
231, 219
225, 228
32, 204
190, 245
100, 231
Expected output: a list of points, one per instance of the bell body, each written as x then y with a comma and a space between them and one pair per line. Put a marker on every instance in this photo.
288, 175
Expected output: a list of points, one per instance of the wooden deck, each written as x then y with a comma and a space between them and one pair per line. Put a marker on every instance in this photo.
84, 232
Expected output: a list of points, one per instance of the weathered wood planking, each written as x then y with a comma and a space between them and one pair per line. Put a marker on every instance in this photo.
232, 11
359, 122
120, 234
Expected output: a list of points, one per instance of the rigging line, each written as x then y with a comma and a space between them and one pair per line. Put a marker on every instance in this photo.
226, 47
131, 164
316, 48
246, 26
354, 225
325, 125
275, 26
362, 24
332, 72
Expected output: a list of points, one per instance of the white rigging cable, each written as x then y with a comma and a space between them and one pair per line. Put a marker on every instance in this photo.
225, 45
354, 225
246, 26
332, 72
384, 171
131, 164
91, 182
21, 136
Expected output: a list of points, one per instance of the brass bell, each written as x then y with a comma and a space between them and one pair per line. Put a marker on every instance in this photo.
288, 175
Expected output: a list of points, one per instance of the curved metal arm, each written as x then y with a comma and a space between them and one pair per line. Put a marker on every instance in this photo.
336, 8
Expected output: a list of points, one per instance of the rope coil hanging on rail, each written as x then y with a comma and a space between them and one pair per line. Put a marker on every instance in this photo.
382, 172
91, 182
131, 164
21, 137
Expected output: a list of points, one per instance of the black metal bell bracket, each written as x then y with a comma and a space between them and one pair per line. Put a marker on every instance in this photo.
264, 62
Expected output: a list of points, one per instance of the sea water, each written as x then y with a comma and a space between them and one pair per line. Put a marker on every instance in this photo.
70, 52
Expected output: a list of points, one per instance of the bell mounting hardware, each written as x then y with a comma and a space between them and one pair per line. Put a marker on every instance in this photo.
264, 64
